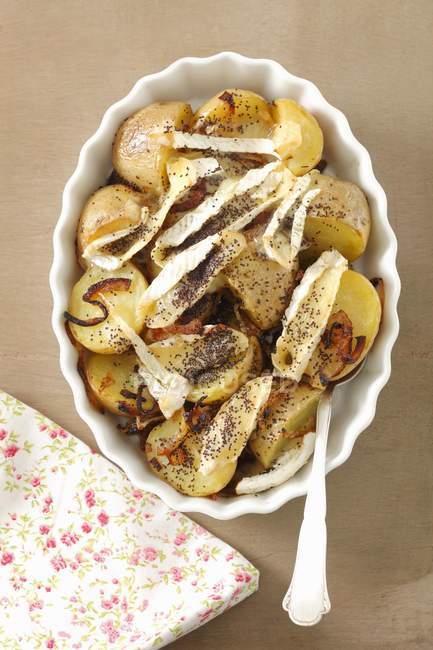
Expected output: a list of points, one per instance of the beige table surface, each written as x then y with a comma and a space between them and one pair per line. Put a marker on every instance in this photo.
62, 63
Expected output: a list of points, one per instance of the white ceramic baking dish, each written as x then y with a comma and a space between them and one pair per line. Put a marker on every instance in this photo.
193, 80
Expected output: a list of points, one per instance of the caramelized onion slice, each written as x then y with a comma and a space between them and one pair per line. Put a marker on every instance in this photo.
195, 326
145, 411
107, 285
338, 337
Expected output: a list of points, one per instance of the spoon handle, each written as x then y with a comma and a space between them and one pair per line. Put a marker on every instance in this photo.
307, 598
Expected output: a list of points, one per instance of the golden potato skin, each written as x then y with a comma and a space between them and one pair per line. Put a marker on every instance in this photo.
358, 298
287, 113
136, 158
289, 414
216, 383
111, 208
234, 113
338, 217
180, 467
106, 338
109, 374
262, 285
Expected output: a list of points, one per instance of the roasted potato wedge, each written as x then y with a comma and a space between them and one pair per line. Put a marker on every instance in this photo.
110, 374
338, 217
174, 455
262, 285
297, 136
290, 412
216, 363
109, 209
234, 113
137, 158
299, 450
350, 333
226, 436
106, 337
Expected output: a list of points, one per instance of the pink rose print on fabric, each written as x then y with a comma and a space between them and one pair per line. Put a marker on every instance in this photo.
90, 560
150, 554
48, 501
241, 576
176, 574
58, 563
89, 497
69, 538
110, 631
7, 558
11, 451
103, 518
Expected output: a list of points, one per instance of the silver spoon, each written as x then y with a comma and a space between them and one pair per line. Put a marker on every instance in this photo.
307, 599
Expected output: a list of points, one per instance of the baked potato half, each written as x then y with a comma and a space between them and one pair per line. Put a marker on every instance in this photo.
234, 113
262, 285
141, 160
174, 452
109, 209
350, 331
215, 363
297, 136
115, 382
338, 217
105, 337
290, 412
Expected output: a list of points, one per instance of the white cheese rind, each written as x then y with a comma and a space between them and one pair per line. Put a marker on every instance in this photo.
307, 314
279, 246
178, 266
193, 220
283, 469
182, 140
183, 173
168, 388
172, 303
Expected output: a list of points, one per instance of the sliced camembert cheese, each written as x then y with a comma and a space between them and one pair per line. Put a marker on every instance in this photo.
169, 388
182, 173
226, 436
193, 220
183, 140
307, 314
284, 467
176, 268
165, 301
282, 246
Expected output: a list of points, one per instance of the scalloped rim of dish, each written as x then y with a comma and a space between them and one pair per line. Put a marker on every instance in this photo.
60, 286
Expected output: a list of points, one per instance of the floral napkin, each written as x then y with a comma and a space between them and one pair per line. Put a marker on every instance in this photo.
87, 560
